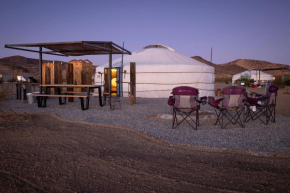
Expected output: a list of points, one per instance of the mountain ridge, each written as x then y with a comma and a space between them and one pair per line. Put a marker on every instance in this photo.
228, 69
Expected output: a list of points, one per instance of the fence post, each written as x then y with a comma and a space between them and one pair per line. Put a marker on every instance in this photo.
132, 83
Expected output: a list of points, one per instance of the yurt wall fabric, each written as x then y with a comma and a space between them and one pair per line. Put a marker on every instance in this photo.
159, 70
253, 74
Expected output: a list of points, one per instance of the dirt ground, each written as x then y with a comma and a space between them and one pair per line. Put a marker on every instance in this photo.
42, 153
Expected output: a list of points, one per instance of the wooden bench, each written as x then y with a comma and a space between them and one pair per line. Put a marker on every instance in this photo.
73, 92
41, 99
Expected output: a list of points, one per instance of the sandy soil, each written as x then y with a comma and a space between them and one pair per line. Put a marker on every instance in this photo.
41, 153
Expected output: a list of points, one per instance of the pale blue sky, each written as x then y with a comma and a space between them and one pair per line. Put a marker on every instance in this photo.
236, 29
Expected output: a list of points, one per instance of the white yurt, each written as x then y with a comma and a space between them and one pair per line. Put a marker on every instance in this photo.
158, 70
253, 74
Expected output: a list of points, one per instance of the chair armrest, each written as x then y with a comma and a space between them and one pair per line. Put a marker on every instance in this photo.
202, 100
214, 103
171, 101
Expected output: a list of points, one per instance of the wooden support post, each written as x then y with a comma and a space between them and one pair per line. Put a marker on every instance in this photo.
40, 67
132, 83
70, 79
260, 77
57, 75
110, 77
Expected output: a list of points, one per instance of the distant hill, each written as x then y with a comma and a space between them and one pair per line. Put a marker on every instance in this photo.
21, 66
222, 71
229, 69
257, 64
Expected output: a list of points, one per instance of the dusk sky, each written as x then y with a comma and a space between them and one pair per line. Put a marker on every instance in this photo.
236, 29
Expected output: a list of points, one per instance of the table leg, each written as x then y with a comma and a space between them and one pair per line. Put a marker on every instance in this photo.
20, 92
60, 98
88, 98
100, 96
17, 91
43, 99
25, 91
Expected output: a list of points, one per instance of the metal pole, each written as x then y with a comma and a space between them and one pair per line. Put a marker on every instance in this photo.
121, 73
40, 67
260, 77
13, 80
211, 55
110, 76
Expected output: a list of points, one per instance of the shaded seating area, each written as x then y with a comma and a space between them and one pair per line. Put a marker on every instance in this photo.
186, 104
229, 108
77, 48
262, 107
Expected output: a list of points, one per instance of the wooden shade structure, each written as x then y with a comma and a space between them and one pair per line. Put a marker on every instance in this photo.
76, 48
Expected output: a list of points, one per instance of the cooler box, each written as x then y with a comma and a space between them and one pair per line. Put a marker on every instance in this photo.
29, 98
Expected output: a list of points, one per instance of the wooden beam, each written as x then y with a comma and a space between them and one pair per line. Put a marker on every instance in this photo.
40, 67
132, 83
110, 77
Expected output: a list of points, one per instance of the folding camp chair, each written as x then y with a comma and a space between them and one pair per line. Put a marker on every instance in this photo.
184, 102
259, 106
232, 106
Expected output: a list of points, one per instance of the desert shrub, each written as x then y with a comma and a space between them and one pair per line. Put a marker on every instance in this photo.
248, 82
287, 83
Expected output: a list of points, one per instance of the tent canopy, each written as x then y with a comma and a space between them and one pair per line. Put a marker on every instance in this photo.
77, 48
253, 74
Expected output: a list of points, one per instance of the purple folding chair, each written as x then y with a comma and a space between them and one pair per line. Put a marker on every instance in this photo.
184, 102
260, 106
232, 106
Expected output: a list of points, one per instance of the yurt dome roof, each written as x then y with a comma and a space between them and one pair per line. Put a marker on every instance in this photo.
161, 55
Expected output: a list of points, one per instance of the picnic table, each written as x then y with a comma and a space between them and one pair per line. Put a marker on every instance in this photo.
64, 94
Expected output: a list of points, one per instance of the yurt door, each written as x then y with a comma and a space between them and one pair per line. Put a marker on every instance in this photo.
115, 81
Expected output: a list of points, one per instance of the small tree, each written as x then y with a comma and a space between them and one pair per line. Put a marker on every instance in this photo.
287, 85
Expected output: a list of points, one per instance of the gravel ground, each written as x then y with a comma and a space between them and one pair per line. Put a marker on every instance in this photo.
256, 138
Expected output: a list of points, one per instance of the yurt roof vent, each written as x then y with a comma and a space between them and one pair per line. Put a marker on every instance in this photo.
159, 46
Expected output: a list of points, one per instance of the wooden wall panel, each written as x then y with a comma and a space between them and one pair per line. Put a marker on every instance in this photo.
70, 79
82, 73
